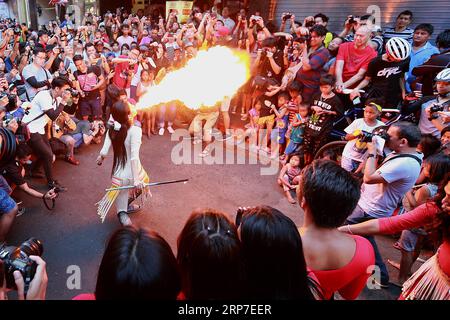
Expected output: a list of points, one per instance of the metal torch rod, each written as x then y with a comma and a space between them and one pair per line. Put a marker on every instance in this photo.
148, 185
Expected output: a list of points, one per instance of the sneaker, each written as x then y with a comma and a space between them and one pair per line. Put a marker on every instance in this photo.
55, 185
170, 129
161, 131
72, 160
124, 219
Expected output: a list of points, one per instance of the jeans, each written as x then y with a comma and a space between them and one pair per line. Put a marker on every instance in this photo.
358, 215
41, 147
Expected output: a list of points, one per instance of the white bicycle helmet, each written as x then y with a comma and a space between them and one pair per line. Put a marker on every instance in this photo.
444, 75
398, 48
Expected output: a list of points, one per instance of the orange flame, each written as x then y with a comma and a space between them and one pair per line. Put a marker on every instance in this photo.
205, 81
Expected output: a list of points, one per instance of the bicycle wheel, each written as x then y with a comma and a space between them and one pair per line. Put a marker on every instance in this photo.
332, 150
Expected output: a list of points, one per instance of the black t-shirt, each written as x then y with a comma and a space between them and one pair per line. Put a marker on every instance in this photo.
12, 172
267, 102
385, 81
265, 68
319, 124
88, 80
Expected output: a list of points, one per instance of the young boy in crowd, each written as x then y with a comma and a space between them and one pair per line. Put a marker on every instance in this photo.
325, 109
296, 131
278, 137
355, 150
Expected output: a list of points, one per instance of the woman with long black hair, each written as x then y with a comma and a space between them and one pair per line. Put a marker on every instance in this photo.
125, 139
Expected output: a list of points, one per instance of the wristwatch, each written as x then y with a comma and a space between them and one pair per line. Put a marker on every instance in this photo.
371, 155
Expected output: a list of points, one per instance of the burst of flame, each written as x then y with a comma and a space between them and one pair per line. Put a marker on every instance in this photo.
205, 80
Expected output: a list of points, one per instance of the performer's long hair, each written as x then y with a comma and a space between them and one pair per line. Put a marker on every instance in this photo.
120, 111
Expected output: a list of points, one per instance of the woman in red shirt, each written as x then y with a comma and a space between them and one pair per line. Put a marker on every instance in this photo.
342, 263
273, 254
432, 280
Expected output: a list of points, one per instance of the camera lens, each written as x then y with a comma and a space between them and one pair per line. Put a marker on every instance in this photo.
32, 247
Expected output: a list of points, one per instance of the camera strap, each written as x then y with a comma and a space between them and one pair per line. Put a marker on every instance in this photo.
49, 207
402, 155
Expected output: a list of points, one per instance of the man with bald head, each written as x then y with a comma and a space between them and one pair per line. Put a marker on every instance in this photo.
353, 60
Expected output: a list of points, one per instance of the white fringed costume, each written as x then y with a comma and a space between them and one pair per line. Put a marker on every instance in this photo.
123, 176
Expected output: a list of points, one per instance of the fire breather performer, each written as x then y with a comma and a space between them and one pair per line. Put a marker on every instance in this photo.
125, 139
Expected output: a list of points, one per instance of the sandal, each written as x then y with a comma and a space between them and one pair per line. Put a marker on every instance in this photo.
133, 208
397, 246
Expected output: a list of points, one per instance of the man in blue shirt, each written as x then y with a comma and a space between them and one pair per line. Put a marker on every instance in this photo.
421, 51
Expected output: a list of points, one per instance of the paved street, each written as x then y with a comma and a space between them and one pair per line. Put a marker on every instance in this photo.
74, 235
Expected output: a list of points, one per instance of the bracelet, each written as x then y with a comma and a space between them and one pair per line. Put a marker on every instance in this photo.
349, 230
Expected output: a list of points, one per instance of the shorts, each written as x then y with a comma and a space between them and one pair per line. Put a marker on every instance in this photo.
279, 135
269, 121
408, 240
7, 204
91, 107
225, 106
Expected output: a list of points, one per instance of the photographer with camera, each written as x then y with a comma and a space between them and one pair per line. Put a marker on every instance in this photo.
314, 56
269, 60
285, 17
433, 110
14, 173
23, 269
89, 80
386, 184
125, 67
36, 77
46, 105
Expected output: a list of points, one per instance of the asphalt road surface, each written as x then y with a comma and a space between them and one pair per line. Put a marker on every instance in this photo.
74, 237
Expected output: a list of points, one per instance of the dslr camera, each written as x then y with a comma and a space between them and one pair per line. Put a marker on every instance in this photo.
352, 19
368, 136
287, 16
254, 19
74, 93
435, 109
17, 258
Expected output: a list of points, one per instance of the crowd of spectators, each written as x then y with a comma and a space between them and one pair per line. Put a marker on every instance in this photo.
58, 84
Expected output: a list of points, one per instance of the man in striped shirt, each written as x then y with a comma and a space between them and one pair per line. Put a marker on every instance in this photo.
401, 29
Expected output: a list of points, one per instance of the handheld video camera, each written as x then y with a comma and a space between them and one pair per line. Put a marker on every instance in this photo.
17, 258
